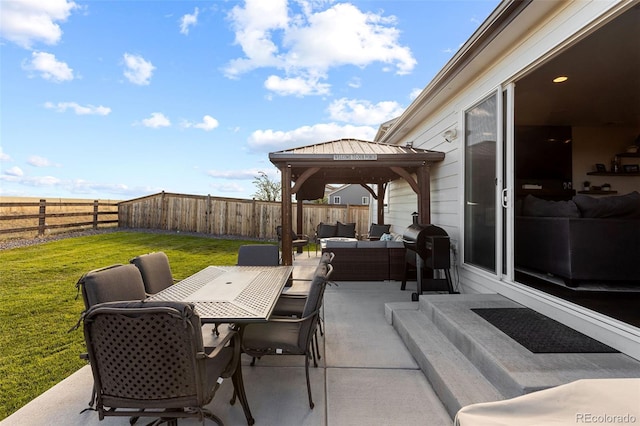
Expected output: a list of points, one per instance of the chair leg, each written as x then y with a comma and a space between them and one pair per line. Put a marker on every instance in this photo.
317, 345
306, 366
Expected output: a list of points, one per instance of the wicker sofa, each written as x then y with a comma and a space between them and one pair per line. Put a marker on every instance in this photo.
367, 260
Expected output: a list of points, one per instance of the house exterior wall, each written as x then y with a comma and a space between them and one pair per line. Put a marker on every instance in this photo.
529, 39
350, 194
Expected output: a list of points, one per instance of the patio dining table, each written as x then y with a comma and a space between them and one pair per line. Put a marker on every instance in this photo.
230, 294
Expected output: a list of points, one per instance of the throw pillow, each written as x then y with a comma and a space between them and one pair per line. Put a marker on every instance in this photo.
537, 207
617, 206
385, 237
327, 231
378, 230
346, 230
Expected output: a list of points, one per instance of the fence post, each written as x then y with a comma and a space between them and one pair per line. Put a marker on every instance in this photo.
42, 215
95, 214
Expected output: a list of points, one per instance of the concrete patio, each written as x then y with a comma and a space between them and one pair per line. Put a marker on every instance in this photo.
385, 361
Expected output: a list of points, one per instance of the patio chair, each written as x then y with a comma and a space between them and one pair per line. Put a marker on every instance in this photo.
148, 360
258, 255
155, 270
290, 336
297, 240
111, 284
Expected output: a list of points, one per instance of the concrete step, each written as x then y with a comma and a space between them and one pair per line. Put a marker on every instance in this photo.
471, 342
456, 381
444, 333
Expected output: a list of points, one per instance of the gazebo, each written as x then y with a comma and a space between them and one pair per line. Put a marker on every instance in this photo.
352, 161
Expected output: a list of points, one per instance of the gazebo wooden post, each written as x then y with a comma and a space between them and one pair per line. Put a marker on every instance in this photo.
424, 196
380, 202
299, 223
287, 226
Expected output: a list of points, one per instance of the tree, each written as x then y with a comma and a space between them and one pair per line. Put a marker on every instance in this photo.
266, 189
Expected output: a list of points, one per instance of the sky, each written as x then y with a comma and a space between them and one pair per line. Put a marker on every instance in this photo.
119, 99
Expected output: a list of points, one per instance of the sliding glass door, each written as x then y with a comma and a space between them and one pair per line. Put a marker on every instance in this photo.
481, 137
487, 177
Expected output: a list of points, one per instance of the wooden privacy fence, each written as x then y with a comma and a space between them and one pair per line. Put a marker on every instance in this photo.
228, 216
29, 217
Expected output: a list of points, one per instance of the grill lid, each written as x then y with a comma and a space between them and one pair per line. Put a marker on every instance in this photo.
415, 237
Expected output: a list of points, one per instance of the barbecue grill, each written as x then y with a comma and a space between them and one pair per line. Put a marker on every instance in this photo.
428, 249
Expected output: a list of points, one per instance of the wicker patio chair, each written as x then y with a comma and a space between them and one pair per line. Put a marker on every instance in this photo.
155, 270
148, 360
258, 255
290, 336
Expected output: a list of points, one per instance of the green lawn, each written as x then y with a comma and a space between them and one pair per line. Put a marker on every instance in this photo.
39, 301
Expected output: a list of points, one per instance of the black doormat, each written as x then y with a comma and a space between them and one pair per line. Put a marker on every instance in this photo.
539, 333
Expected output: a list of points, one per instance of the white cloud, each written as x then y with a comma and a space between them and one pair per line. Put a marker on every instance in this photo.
14, 171
273, 140
78, 109
355, 83
297, 86
187, 21
49, 67
234, 174
75, 186
4, 156
27, 22
37, 161
156, 121
415, 93
307, 45
228, 187
138, 70
208, 123
363, 112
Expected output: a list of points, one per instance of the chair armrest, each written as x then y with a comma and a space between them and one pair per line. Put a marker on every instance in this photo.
231, 334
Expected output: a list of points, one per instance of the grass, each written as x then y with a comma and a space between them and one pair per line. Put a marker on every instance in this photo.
39, 301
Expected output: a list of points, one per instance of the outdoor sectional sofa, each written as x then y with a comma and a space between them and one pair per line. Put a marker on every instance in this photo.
367, 260
583, 239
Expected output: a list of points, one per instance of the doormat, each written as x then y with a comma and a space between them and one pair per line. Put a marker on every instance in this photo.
540, 334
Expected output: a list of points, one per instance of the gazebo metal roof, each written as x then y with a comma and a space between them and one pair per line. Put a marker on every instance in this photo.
354, 161
351, 161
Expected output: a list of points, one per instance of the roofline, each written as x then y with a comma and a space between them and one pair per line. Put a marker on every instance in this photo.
499, 19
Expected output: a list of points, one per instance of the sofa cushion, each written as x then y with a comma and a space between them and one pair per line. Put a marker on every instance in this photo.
537, 207
346, 230
395, 244
327, 231
617, 206
372, 244
341, 244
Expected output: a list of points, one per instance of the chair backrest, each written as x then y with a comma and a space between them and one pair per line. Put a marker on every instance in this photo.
327, 257
294, 236
111, 284
155, 270
134, 367
258, 255
314, 301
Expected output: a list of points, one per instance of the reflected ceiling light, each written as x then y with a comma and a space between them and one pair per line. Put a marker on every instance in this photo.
560, 79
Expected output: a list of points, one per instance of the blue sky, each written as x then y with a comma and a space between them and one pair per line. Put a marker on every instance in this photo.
121, 99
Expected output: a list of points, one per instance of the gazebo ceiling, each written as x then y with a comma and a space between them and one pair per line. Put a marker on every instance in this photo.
352, 161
